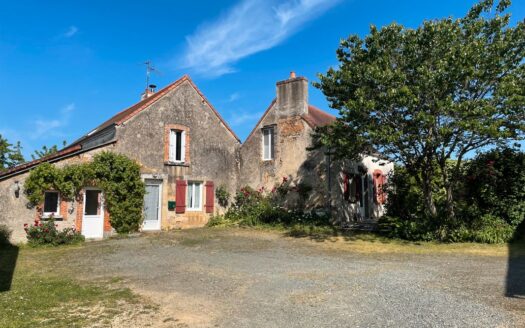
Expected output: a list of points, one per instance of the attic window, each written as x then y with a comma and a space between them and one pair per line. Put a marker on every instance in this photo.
268, 143
177, 146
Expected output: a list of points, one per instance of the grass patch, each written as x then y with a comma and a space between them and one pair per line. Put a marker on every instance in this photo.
37, 293
330, 237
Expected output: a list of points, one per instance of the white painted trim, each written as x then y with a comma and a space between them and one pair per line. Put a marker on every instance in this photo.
49, 214
159, 211
188, 208
100, 216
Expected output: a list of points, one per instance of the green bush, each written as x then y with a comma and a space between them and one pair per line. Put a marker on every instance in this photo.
5, 235
223, 196
46, 233
117, 175
257, 207
490, 203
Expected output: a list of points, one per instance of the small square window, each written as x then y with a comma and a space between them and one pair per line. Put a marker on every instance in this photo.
51, 203
268, 143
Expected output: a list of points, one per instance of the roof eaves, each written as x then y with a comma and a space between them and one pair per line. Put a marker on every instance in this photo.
261, 119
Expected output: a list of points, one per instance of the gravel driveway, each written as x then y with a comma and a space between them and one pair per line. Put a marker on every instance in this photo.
236, 278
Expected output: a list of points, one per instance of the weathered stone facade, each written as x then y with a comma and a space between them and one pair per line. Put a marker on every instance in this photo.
213, 156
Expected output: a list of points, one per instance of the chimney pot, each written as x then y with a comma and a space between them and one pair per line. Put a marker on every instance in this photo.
292, 75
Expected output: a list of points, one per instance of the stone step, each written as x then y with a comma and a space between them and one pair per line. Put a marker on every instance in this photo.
360, 226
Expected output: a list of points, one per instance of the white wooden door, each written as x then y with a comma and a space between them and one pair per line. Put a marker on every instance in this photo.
93, 216
152, 207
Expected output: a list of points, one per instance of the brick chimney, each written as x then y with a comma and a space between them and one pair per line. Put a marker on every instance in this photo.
150, 90
292, 96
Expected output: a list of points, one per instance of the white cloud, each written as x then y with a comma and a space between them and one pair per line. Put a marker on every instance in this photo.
234, 96
42, 127
71, 31
249, 27
243, 118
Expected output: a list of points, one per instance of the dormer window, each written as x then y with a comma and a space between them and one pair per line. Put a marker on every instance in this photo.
268, 143
177, 146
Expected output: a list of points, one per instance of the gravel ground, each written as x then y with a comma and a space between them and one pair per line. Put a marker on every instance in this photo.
236, 278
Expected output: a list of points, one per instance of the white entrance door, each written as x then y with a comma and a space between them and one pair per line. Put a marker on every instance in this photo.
152, 201
93, 218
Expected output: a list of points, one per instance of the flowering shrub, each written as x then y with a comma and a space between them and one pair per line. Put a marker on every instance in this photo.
46, 233
254, 207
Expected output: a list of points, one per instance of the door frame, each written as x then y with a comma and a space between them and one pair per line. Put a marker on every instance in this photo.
159, 183
102, 211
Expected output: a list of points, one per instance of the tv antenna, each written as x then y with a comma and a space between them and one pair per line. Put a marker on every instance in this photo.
149, 69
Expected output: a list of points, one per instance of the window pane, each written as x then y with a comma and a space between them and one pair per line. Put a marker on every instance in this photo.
51, 202
178, 149
189, 195
92, 202
266, 137
172, 146
197, 201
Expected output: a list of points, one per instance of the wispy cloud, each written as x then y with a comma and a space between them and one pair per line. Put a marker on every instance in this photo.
249, 27
234, 96
71, 31
45, 127
245, 117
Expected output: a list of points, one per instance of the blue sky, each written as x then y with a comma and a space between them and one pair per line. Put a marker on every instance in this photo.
66, 66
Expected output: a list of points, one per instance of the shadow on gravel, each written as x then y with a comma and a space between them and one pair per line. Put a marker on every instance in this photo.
8, 258
516, 270
330, 233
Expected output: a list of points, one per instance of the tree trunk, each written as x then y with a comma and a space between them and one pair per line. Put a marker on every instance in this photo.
430, 207
451, 214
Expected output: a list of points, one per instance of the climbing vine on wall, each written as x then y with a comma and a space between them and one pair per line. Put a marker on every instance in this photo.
117, 176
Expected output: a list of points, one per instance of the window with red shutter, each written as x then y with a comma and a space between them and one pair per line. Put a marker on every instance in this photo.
210, 197
379, 193
180, 196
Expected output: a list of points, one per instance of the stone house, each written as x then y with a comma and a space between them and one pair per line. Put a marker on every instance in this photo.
186, 150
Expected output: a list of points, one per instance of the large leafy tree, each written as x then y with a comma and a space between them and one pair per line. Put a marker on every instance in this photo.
10, 155
46, 151
425, 96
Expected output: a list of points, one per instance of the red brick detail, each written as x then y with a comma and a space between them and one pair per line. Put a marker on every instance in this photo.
210, 197
107, 223
80, 210
63, 209
179, 127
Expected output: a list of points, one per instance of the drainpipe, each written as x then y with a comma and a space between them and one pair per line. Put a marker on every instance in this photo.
329, 180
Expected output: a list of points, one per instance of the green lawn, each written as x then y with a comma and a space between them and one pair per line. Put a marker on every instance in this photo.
35, 293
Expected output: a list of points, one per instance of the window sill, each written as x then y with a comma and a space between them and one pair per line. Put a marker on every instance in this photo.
176, 164
49, 217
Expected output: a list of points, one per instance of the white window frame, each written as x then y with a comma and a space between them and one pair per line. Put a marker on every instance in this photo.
191, 207
271, 148
49, 214
173, 146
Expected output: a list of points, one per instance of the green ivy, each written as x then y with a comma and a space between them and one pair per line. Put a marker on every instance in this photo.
117, 176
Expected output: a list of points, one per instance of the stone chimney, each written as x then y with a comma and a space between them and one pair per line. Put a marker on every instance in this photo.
292, 96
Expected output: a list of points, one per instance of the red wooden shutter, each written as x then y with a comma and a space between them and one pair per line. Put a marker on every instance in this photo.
180, 196
378, 187
383, 191
210, 197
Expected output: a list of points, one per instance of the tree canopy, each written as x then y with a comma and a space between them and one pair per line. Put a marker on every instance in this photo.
427, 95
10, 155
